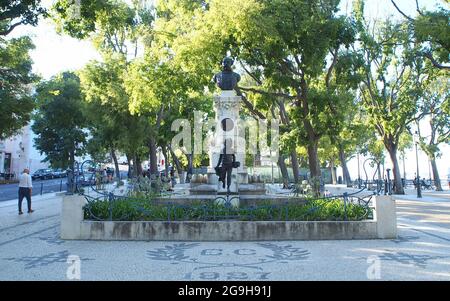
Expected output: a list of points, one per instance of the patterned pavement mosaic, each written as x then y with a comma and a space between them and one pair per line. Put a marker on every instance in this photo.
30, 249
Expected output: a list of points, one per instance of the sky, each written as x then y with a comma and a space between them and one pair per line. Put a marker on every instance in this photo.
55, 53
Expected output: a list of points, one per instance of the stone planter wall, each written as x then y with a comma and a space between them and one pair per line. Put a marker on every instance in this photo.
73, 226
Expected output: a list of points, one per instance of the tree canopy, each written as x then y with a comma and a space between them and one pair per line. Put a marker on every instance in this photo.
59, 122
338, 84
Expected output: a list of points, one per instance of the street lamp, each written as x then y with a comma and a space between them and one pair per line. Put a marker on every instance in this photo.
359, 173
418, 185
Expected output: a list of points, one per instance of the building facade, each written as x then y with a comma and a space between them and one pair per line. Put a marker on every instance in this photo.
18, 152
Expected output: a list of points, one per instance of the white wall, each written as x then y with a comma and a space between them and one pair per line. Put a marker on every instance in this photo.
23, 152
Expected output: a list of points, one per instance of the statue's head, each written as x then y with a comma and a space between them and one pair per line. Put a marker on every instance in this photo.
227, 63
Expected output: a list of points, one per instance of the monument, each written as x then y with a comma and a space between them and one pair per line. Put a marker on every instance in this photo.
227, 173
227, 106
227, 80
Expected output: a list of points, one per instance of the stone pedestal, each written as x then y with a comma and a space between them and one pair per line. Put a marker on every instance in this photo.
227, 106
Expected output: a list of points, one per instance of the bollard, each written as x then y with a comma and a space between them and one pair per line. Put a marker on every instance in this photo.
42, 187
60, 186
386, 217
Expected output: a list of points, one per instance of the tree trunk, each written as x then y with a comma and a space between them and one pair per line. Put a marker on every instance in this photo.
166, 161
392, 150
295, 166
436, 178
346, 173
153, 157
190, 158
176, 162
72, 160
294, 159
313, 159
313, 145
130, 173
137, 166
116, 163
314, 166
333, 172
283, 170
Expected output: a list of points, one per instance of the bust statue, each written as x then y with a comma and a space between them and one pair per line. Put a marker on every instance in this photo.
227, 79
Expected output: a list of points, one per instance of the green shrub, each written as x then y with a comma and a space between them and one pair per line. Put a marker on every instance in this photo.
144, 209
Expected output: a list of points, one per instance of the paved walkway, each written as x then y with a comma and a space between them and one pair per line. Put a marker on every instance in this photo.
30, 249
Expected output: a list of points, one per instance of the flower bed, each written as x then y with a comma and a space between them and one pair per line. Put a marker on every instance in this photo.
129, 209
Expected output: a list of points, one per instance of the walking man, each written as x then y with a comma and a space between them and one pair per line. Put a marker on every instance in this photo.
25, 187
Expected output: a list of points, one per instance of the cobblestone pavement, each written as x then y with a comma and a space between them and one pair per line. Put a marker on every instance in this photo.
30, 249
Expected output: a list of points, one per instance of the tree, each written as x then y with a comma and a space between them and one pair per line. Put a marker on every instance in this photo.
19, 12
282, 45
431, 31
433, 104
117, 30
16, 65
346, 129
328, 154
112, 125
391, 85
16, 78
59, 121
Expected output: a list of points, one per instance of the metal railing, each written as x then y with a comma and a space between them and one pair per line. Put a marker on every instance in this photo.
123, 208
138, 203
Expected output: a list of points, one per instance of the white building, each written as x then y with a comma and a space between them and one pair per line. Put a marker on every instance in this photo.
18, 152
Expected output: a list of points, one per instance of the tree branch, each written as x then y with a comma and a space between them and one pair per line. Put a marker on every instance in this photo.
159, 117
257, 80
434, 62
403, 14
10, 29
273, 94
417, 8
249, 105
330, 70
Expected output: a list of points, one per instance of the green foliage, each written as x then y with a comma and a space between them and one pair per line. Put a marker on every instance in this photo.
392, 85
19, 12
59, 120
433, 28
141, 209
113, 25
15, 79
339, 84
434, 111
110, 122
79, 21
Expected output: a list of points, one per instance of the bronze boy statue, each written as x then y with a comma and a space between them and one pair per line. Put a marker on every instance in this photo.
228, 160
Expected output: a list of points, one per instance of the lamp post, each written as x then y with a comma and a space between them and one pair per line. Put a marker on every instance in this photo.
418, 185
359, 173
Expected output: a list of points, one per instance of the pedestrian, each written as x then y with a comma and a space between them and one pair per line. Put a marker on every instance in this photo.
25, 186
